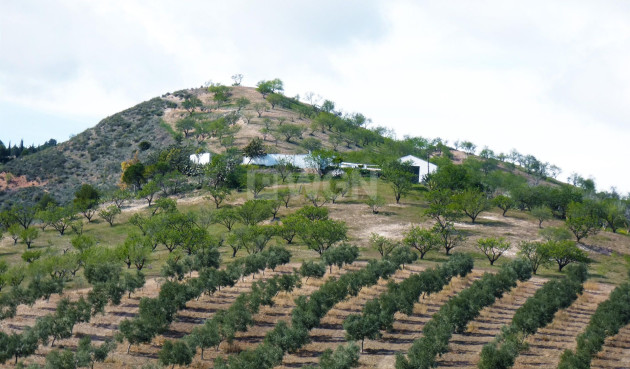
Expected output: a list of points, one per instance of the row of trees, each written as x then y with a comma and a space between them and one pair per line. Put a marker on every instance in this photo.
223, 326
11, 152
108, 287
48, 272
307, 314
537, 312
311, 224
610, 316
378, 313
458, 311
156, 314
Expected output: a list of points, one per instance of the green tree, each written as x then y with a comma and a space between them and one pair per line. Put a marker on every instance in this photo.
186, 125
581, 221
504, 203
255, 149
493, 247
221, 93
541, 213
320, 235
311, 144
285, 168
555, 234
290, 131
257, 182
119, 197
290, 227
399, 176
149, 191
86, 200
614, 214
564, 253
60, 218
88, 354
450, 236
285, 195
241, 103
535, 253
15, 231
218, 195
28, 236
227, 217
270, 87
382, 244
191, 103
423, 240
321, 160
344, 357
260, 108
205, 336
22, 214
442, 207
134, 175
312, 269
109, 214
472, 203
136, 250
175, 353
253, 212
375, 202
274, 99
340, 255
359, 327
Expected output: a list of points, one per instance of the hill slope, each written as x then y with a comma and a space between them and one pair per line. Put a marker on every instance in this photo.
95, 155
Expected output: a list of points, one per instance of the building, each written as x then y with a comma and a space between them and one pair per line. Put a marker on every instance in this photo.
269, 160
421, 167
201, 158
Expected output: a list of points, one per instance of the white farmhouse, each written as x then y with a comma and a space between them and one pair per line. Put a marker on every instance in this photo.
423, 167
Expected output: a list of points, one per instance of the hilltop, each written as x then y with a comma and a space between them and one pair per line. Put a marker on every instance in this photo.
94, 156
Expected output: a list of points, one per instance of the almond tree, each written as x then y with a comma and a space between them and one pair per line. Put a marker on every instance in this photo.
493, 247
423, 240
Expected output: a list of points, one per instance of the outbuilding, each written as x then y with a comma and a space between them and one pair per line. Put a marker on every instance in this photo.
421, 167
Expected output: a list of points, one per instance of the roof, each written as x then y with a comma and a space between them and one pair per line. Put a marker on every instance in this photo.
269, 160
417, 162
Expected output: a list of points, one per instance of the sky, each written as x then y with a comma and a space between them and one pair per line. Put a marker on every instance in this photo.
548, 78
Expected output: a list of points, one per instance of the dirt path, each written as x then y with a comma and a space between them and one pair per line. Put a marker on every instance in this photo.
546, 346
464, 349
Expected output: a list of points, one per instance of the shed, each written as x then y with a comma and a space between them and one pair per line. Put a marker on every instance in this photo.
422, 167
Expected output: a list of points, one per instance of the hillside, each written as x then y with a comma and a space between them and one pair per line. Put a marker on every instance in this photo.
95, 155
353, 260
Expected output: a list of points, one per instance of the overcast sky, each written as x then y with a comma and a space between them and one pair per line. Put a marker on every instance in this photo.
548, 78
